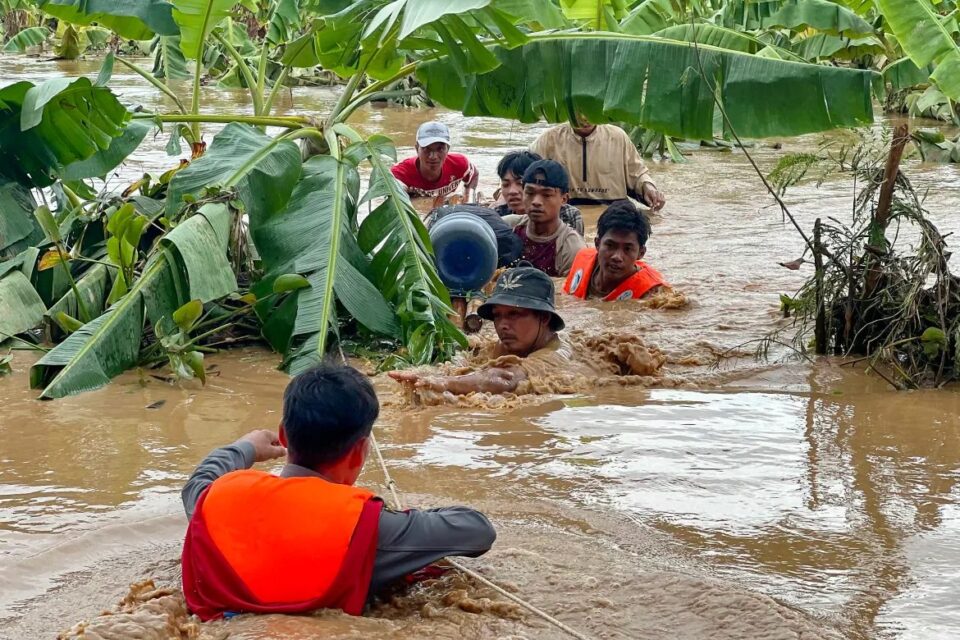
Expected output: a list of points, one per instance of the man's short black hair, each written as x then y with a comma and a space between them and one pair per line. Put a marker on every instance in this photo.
327, 410
516, 162
623, 215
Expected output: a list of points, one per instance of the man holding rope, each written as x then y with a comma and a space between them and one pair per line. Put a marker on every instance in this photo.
308, 538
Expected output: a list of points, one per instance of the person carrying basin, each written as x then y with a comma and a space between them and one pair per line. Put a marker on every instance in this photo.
510, 169
527, 325
613, 270
549, 243
308, 538
435, 172
604, 163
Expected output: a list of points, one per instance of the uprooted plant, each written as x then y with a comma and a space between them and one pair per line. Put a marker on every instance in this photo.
892, 301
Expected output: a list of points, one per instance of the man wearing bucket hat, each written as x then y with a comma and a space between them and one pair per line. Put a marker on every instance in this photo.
435, 172
526, 322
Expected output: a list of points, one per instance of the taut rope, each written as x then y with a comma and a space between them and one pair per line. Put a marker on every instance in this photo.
392, 486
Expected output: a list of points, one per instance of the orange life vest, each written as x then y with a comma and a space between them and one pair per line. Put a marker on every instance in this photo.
264, 544
636, 286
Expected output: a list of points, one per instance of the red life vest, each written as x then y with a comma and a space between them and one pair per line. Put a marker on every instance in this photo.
636, 286
264, 544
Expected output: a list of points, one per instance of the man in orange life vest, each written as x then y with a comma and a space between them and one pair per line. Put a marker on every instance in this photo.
307, 538
614, 269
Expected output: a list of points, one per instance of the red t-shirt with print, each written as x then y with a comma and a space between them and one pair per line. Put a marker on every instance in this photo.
456, 171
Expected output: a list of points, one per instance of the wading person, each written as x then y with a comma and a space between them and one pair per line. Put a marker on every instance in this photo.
526, 323
614, 269
603, 162
549, 244
510, 169
435, 172
308, 538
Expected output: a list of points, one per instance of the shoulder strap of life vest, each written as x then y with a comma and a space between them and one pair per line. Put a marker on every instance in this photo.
637, 285
578, 280
264, 544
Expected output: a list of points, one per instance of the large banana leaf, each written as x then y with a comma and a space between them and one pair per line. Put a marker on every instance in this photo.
904, 74
22, 307
196, 19
823, 46
314, 236
168, 60
103, 162
133, 19
18, 226
402, 265
284, 22
822, 15
723, 38
189, 264
596, 14
29, 37
544, 15
93, 286
925, 39
46, 127
655, 83
650, 17
263, 170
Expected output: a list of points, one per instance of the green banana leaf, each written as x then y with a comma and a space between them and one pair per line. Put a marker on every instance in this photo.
22, 307
168, 60
191, 260
29, 37
314, 236
596, 14
284, 23
723, 38
196, 19
93, 285
45, 128
103, 162
904, 74
652, 16
18, 226
822, 15
133, 19
541, 15
402, 267
925, 39
263, 170
822, 46
655, 83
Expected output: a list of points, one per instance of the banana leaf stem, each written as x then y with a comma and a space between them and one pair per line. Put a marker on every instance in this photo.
370, 97
277, 85
244, 71
156, 83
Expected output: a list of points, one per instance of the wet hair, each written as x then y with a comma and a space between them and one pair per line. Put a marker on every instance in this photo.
326, 411
623, 215
516, 162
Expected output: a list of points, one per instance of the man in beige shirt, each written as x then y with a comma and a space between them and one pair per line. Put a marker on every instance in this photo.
603, 162
549, 244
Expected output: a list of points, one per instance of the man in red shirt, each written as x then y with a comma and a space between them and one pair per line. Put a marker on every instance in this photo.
435, 172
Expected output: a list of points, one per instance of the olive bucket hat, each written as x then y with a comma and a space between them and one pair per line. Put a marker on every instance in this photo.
524, 287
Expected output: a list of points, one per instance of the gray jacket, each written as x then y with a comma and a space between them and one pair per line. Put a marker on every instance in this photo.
406, 540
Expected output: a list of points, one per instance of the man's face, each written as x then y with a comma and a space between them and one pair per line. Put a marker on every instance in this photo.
542, 203
617, 253
511, 188
584, 127
432, 156
518, 329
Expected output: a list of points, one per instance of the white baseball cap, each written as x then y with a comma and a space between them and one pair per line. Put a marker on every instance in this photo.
433, 131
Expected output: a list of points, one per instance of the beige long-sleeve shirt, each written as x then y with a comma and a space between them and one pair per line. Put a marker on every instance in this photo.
603, 166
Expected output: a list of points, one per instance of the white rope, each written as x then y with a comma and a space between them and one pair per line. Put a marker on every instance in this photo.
392, 486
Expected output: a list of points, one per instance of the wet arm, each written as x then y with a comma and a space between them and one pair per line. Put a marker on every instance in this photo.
491, 380
410, 540
239, 455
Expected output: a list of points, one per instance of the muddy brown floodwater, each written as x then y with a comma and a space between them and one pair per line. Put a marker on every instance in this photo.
777, 500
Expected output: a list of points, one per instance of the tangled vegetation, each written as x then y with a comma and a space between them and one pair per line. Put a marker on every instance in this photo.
892, 300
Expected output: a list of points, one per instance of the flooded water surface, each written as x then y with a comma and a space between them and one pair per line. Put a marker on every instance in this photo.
749, 500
